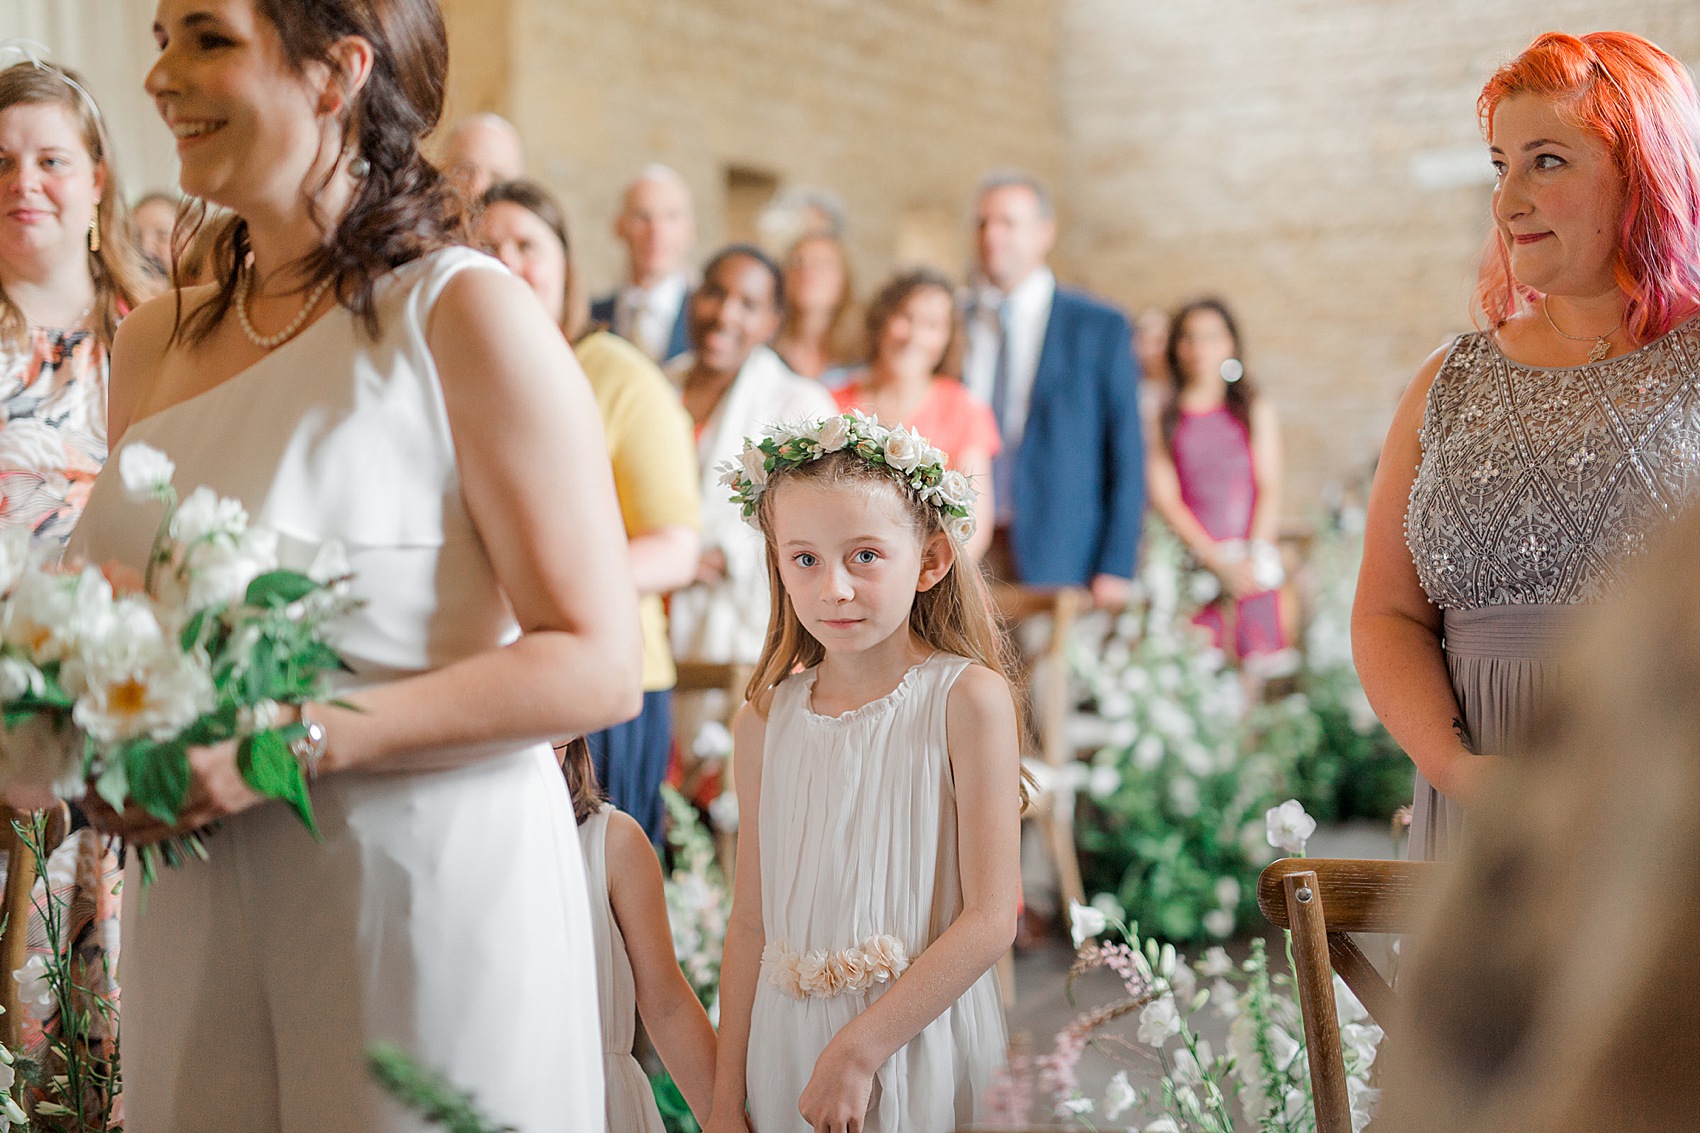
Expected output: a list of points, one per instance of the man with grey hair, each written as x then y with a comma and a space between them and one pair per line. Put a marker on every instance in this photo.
1057, 367
657, 224
481, 151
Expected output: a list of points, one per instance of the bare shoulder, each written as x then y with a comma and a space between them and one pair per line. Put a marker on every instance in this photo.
627, 844
481, 301
143, 339
980, 692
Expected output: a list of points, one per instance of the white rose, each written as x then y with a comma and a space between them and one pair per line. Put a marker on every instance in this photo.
145, 470
754, 464
1289, 827
834, 434
903, 449
1085, 922
960, 528
955, 489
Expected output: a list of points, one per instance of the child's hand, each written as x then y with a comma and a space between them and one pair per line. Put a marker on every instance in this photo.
836, 1098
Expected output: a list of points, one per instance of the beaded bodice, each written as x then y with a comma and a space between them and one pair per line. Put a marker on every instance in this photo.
1536, 485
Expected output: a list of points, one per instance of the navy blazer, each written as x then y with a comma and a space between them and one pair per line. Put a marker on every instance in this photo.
679, 342
1080, 472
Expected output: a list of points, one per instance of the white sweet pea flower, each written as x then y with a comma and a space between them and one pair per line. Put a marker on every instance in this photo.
1085, 922
1289, 827
903, 449
35, 991
145, 470
834, 434
1074, 1107
1119, 1096
1159, 1022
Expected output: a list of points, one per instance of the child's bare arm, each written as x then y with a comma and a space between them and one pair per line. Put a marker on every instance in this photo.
740, 966
986, 769
671, 1014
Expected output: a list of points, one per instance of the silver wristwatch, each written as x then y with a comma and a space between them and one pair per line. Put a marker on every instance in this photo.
309, 749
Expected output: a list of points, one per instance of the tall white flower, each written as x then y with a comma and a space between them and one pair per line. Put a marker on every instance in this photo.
1119, 1097
1085, 922
205, 514
1289, 827
145, 470
1159, 1022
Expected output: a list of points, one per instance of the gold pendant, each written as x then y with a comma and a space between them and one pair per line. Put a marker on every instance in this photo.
1602, 347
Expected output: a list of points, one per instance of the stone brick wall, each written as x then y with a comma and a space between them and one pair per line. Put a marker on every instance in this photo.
897, 106
1303, 160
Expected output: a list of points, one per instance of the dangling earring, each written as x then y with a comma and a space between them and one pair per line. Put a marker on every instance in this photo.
1232, 370
94, 230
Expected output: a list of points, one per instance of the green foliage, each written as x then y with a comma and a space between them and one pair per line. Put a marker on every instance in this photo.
427, 1092
676, 1116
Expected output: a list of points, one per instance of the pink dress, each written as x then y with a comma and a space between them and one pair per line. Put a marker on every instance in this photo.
1212, 454
950, 417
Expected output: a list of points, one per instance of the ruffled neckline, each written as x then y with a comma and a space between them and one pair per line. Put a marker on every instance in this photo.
872, 707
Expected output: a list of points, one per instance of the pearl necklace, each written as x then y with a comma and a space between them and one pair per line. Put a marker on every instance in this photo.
272, 341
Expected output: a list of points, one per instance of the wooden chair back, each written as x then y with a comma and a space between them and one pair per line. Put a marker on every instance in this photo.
1320, 901
731, 678
20, 884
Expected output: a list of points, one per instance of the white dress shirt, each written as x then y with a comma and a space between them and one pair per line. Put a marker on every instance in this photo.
1029, 313
645, 316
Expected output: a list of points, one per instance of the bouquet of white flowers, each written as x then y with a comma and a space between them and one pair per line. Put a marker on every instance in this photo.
111, 689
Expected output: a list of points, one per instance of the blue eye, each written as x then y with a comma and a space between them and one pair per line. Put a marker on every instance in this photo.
864, 557
804, 559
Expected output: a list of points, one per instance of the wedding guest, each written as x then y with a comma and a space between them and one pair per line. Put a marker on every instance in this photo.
658, 226
1531, 458
649, 442
154, 217
1057, 368
482, 150
815, 337
1215, 478
68, 273
637, 972
1554, 989
916, 337
1151, 350
734, 387
356, 377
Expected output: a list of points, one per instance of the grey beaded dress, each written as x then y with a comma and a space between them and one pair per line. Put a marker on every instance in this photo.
1537, 487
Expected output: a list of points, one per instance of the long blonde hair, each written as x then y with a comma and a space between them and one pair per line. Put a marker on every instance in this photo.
954, 616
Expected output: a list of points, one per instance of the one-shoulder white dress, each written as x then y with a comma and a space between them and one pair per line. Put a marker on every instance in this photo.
858, 846
444, 911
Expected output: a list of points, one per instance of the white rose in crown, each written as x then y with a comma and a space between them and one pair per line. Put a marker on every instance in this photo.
834, 434
145, 470
904, 449
960, 527
754, 465
953, 489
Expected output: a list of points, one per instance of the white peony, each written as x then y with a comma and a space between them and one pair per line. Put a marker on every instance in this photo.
1119, 1096
48, 614
1289, 827
132, 680
145, 470
834, 434
1159, 1022
1085, 922
903, 449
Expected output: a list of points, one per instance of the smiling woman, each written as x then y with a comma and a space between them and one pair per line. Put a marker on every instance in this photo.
1530, 460
355, 376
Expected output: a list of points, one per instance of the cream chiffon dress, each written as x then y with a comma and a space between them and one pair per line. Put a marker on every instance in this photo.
859, 874
445, 910
631, 1102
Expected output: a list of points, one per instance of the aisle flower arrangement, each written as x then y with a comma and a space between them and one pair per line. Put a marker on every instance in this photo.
1262, 1075
1171, 830
110, 687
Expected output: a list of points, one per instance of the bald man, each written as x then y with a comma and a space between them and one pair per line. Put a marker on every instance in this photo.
482, 150
657, 224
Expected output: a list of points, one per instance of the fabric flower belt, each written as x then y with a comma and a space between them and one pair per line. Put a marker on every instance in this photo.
820, 974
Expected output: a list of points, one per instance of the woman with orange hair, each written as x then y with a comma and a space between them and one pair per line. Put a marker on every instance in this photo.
1531, 459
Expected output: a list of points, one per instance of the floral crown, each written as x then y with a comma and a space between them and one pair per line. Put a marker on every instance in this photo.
904, 452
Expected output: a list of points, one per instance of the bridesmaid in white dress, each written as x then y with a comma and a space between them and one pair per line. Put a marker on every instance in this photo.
365, 380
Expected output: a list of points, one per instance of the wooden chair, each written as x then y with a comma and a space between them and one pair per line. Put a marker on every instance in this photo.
1320, 901
20, 884
730, 678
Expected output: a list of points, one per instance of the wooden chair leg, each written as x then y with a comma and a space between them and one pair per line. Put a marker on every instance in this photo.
1316, 999
14, 938
1006, 978
1058, 825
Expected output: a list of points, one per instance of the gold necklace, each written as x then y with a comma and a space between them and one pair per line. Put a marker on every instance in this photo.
1602, 344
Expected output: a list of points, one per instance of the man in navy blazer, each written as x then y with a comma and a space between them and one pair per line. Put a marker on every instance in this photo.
1057, 367
657, 224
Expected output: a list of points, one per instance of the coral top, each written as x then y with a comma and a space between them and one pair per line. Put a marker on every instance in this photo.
951, 417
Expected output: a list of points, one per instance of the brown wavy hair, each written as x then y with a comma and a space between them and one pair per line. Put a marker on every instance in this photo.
890, 300
403, 208
1241, 394
580, 773
117, 268
841, 341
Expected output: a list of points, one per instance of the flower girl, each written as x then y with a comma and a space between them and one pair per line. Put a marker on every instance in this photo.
636, 972
879, 782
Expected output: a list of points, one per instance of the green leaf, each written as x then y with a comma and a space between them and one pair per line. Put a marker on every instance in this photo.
158, 776
279, 588
192, 632
269, 767
114, 785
